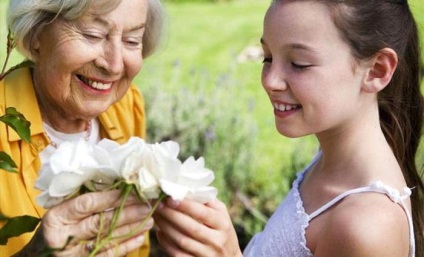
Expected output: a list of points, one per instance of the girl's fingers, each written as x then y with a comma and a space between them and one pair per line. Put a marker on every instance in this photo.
169, 246
210, 214
197, 229
179, 242
170, 221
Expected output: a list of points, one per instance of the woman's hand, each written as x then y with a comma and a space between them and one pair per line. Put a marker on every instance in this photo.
79, 220
189, 228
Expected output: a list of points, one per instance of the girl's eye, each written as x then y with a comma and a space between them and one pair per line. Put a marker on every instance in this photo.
267, 60
300, 66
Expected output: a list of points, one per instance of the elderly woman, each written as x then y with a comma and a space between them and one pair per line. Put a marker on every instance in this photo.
86, 54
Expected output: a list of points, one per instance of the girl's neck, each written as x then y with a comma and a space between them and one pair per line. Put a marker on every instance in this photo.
356, 155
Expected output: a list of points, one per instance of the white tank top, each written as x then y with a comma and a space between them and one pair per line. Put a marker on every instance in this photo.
284, 233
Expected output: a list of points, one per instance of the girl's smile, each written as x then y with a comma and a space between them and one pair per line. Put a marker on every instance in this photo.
283, 110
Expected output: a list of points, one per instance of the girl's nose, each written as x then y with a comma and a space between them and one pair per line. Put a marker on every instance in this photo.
273, 79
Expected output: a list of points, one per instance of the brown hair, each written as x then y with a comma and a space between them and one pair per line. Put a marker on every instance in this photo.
368, 27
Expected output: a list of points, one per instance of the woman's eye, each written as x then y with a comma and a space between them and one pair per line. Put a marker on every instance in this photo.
93, 36
133, 42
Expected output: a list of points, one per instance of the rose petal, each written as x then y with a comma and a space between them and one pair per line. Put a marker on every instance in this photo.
196, 179
147, 181
203, 194
174, 190
44, 178
46, 201
171, 148
64, 184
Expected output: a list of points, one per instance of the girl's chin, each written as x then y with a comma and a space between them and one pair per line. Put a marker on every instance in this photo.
290, 133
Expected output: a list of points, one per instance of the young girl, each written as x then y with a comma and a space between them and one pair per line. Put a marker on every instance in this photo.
348, 72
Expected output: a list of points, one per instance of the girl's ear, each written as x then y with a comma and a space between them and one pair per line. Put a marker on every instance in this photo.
380, 71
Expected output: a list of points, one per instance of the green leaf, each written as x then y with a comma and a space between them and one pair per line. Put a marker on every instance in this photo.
23, 64
3, 217
17, 122
6, 163
17, 226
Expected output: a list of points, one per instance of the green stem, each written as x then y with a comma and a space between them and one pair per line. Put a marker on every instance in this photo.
149, 215
10, 46
5, 64
126, 191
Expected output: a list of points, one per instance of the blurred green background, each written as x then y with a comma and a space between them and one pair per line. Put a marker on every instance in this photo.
203, 89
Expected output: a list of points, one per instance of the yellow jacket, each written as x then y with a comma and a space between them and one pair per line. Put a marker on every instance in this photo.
17, 193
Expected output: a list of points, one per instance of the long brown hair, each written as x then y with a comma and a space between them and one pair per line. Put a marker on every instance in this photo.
369, 26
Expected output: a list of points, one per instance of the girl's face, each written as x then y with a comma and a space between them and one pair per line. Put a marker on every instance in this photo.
86, 65
309, 74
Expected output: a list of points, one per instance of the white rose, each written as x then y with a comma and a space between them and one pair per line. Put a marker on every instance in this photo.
69, 167
192, 181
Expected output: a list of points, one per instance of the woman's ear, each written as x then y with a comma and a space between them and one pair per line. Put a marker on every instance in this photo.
380, 70
35, 44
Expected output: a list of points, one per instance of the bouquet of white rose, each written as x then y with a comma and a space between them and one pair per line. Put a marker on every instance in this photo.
152, 171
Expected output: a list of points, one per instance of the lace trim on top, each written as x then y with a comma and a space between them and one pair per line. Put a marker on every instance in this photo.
303, 216
376, 186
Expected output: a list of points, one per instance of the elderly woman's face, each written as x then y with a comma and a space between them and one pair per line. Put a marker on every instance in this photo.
84, 66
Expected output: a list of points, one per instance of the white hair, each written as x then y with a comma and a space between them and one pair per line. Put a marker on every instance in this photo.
25, 17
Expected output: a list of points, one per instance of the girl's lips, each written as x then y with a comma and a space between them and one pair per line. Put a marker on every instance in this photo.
283, 110
284, 114
286, 107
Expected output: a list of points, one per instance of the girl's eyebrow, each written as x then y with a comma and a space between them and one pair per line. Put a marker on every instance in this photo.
296, 46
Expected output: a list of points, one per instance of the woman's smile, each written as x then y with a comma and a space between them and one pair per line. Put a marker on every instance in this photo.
98, 85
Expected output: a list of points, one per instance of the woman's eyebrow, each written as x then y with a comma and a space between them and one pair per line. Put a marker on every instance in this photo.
109, 24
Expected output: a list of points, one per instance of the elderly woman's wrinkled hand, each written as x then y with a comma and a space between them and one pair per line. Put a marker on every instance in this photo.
74, 225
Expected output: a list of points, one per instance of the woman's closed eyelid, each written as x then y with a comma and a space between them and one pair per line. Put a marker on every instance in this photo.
93, 35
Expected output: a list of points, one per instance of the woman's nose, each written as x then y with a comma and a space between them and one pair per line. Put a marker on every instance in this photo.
111, 58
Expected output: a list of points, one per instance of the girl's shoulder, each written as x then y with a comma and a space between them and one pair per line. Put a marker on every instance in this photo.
367, 224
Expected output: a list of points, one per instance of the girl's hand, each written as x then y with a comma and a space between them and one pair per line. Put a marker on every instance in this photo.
189, 228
